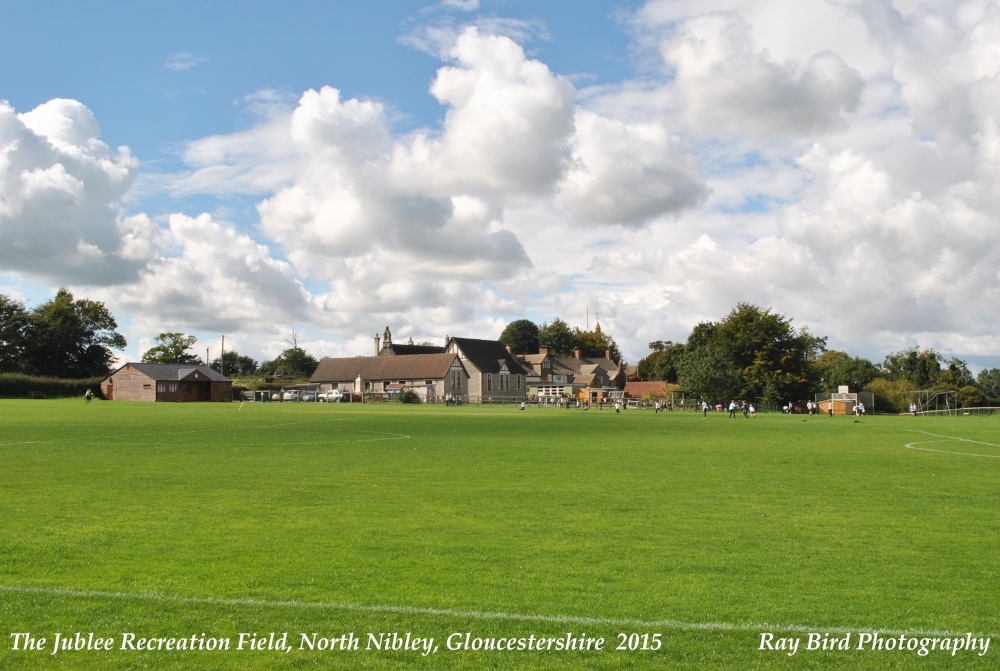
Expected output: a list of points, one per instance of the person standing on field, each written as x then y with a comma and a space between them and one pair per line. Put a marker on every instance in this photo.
704, 408
89, 396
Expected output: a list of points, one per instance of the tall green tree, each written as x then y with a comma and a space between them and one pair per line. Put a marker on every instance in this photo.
521, 335
172, 348
956, 373
294, 362
71, 338
234, 363
13, 334
662, 362
919, 367
557, 337
708, 372
988, 380
596, 344
773, 360
836, 368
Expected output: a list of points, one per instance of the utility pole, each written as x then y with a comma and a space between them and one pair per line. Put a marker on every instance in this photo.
222, 357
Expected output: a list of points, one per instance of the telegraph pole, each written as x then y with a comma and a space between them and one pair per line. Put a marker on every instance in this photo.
222, 357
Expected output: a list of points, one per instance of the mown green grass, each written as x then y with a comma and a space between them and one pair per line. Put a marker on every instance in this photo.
173, 520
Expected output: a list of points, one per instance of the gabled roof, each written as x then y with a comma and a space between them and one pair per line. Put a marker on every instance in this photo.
486, 355
410, 350
174, 372
576, 366
412, 367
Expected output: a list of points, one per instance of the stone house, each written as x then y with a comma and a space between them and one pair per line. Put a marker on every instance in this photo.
432, 376
494, 373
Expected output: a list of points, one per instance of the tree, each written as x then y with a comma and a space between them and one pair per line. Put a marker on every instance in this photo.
235, 364
662, 362
956, 373
521, 336
13, 333
292, 363
892, 395
837, 368
708, 372
172, 348
596, 343
970, 397
988, 380
919, 367
71, 338
557, 337
773, 360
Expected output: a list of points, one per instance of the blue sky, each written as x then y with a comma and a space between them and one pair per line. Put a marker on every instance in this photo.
330, 168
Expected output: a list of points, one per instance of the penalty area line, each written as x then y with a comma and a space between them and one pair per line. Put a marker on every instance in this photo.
470, 614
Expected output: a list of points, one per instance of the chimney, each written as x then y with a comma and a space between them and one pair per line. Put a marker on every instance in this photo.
377, 348
544, 351
607, 354
508, 350
576, 353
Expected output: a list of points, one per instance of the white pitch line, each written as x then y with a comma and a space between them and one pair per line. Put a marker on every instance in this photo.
912, 446
478, 615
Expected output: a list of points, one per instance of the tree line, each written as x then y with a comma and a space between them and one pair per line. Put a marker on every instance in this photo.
523, 336
64, 337
293, 362
754, 353
72, 338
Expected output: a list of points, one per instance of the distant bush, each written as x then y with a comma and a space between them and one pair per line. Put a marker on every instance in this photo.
408, 396
970, 397
891, 395
18, 385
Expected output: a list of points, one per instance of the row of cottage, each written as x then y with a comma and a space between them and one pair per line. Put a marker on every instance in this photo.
464, 368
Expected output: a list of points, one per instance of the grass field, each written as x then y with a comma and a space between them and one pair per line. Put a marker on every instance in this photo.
693, 536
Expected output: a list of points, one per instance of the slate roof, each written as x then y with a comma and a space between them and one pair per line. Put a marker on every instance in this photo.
174, 372
409, 350
487, 356
583, 365
412, 367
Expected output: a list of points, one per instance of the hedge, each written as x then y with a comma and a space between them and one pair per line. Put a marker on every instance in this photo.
18, 385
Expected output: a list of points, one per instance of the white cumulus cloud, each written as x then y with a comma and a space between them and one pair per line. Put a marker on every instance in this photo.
61, 191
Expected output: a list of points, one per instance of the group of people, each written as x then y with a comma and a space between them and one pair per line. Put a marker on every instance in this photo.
738, 406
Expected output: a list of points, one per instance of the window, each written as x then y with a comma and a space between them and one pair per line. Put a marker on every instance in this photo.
161, 387
489, 382
429, 382
519, 383
173, 387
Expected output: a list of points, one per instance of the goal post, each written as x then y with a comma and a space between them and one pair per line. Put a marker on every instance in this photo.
845, 403
935, 401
